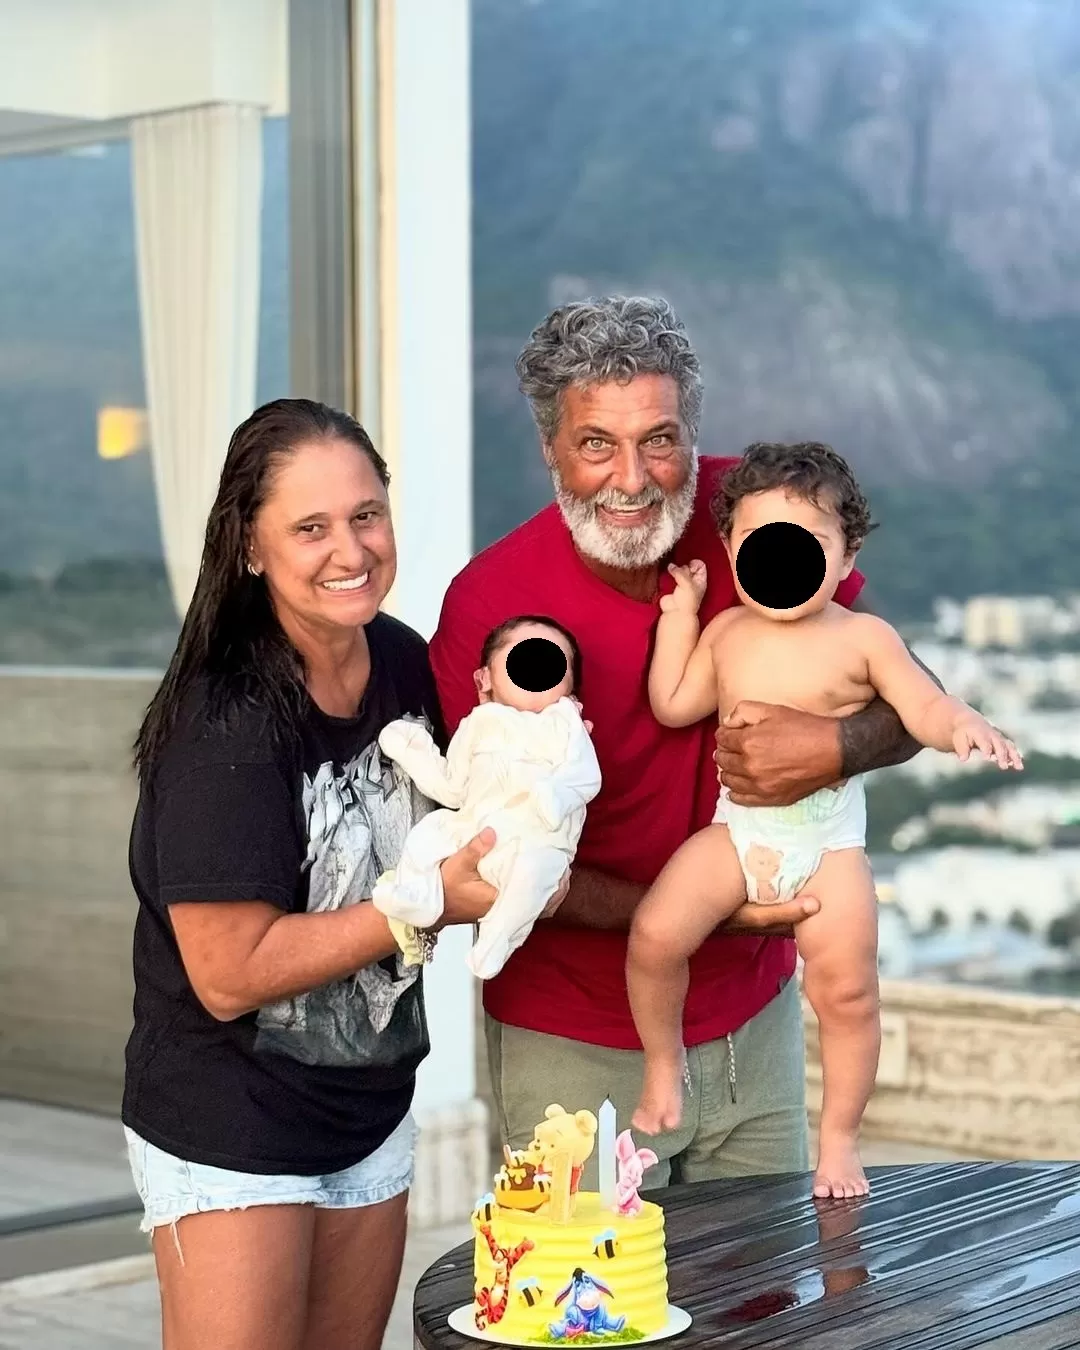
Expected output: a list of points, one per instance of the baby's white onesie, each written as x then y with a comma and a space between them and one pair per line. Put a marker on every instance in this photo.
526, 775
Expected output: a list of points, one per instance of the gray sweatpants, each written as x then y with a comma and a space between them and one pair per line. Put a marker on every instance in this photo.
763, 1130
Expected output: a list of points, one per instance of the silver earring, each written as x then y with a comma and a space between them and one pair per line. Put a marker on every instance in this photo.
253, 569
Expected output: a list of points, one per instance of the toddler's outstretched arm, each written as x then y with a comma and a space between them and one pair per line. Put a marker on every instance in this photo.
934, 718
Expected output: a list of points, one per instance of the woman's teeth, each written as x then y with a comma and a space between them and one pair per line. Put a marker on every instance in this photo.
348, 584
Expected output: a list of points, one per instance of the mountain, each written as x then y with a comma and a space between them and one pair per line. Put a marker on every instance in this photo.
865, 210
866, 215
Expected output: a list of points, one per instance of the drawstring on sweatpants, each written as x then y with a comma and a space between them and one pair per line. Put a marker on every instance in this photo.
730, 1071
731, 1067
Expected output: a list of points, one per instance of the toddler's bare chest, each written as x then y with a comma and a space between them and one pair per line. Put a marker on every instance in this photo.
819, 672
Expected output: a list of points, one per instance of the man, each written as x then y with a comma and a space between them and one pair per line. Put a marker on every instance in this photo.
615, 391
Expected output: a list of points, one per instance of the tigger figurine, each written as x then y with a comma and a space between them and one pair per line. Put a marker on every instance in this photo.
491, 1302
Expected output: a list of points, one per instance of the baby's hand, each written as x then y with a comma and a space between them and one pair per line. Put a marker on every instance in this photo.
972, 732
690, 582
401, 737
584, 720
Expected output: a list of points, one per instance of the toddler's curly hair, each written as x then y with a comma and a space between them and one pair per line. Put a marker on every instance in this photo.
808, 469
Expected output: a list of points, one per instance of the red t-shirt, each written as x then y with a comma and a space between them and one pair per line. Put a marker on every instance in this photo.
659, 784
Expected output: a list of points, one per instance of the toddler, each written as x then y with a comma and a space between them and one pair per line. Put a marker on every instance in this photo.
523, 764
787, 643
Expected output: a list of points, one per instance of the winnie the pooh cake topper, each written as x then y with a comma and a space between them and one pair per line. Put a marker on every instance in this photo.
561, 1132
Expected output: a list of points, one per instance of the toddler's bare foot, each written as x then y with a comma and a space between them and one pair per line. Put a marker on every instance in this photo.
839, 1174
660, 1107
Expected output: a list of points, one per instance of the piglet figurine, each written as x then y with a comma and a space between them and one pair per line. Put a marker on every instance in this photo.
632, 1165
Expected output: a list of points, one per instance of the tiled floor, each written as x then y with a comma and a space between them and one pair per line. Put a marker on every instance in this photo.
125, 1316
52, 1158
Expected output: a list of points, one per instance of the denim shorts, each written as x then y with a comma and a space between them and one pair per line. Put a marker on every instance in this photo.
171, 1188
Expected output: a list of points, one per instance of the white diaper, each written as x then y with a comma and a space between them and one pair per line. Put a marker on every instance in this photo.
781, 847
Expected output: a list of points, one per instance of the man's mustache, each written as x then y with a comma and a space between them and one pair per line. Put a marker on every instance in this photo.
613, 500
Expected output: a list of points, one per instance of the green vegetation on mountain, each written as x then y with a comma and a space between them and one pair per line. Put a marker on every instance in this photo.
719, 154
865, 213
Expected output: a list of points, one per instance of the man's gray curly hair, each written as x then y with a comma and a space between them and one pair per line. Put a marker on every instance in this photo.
613, 338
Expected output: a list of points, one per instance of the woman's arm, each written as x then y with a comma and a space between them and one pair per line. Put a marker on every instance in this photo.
241, 955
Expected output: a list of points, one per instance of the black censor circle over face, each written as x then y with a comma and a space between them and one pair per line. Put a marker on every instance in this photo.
536, 664
780, 566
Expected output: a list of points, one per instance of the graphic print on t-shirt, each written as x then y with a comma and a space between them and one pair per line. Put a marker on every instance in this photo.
357, 819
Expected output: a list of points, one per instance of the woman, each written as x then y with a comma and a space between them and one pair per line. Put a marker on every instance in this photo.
277, 1026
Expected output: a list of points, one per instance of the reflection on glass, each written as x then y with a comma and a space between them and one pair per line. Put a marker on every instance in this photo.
82, 580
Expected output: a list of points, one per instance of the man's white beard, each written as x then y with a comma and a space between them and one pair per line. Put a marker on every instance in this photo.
627, 546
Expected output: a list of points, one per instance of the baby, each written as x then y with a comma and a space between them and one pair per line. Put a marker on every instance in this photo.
523, 764
788, 643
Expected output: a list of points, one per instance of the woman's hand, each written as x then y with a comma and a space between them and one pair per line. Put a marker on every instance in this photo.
467, 897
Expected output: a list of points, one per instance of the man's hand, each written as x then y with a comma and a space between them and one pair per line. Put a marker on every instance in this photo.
768, 755
769, 920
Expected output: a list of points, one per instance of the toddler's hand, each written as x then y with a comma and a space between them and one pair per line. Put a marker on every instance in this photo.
690, 582
973, 732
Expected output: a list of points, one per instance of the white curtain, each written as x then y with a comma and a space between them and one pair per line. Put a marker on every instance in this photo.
197, 182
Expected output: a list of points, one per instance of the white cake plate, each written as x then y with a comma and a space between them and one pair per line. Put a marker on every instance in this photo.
461, 1320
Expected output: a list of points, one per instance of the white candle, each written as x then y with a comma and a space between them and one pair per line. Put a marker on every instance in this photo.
606, 1153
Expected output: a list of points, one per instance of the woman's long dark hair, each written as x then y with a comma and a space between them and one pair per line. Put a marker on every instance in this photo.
230, 635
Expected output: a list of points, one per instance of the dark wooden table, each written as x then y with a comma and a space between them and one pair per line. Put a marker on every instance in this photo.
946, 1256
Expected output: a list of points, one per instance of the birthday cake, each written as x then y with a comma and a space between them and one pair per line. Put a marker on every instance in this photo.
553, 1263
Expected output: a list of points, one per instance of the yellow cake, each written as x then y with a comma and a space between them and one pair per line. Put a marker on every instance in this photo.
552, 1263
610, 1269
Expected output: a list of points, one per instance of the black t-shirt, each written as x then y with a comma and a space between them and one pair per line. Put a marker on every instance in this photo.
315, 1083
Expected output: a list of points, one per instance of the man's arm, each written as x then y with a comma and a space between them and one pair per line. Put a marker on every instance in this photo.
597, 900
773, 756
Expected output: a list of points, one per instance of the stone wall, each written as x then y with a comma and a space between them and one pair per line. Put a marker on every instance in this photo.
67, 793
972, 1070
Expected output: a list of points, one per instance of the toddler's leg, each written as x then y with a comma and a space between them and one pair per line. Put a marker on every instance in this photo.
839, 948
412, 891
526, 879
700, 887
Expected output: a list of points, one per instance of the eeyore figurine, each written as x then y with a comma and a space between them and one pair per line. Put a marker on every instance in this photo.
585, 1312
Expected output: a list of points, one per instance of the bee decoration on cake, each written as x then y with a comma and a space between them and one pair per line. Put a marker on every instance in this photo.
529, 1291
606, 1245
484, 1209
